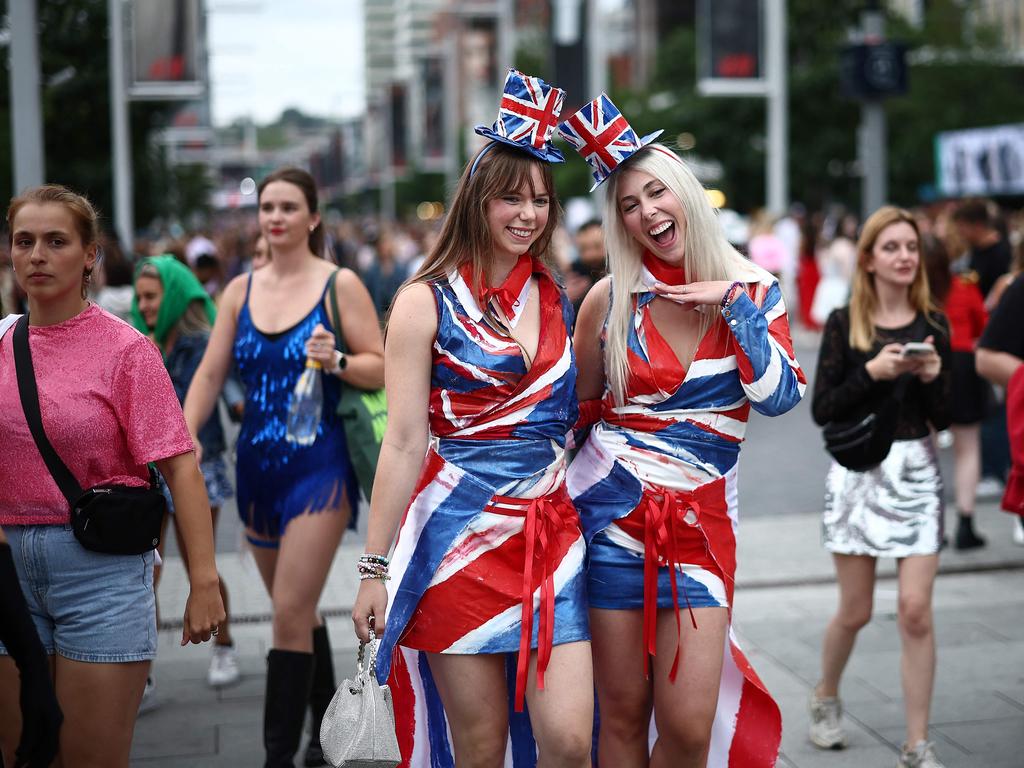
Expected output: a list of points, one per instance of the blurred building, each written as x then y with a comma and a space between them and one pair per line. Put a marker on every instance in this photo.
434, 68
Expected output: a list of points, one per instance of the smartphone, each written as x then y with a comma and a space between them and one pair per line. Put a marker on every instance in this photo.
917, 348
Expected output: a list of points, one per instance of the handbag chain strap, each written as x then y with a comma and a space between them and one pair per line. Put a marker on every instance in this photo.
361, 656
30, 405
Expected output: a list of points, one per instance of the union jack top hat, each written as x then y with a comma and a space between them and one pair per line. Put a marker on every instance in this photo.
603, 137
527, 116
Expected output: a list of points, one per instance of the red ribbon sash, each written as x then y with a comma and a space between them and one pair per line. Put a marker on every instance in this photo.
665, 515
546, 517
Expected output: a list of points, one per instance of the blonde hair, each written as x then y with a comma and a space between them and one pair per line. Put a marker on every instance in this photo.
708, 255
466, 236
863, 294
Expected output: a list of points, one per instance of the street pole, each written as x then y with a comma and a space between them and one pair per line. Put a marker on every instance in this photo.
873, 129
120, 136
778, 108
26, 112
387, 180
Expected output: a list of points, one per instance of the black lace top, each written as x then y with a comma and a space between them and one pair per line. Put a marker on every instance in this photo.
842, 386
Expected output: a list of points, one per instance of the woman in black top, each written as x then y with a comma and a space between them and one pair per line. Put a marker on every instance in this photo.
896, 508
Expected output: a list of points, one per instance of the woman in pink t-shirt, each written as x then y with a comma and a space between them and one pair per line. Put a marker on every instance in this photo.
109, 409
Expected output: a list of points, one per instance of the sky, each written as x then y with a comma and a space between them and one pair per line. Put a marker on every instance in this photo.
268, 55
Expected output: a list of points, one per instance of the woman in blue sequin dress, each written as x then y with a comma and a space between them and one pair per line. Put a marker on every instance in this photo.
295, 501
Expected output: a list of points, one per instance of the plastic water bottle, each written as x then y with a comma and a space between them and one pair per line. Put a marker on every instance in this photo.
306, 405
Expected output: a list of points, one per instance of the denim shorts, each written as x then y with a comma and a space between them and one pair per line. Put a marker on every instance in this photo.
87, 606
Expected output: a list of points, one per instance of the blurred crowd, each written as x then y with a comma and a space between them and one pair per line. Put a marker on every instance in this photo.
812, 253
973, 248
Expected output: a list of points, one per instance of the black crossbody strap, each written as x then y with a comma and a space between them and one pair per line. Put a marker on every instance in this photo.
30, 405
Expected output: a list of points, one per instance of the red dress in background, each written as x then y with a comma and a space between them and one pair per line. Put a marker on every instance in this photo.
807, 279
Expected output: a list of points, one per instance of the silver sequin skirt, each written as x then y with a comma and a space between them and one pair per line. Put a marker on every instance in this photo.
893, 510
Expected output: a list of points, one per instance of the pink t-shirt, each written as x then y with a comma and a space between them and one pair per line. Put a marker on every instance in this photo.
108, 408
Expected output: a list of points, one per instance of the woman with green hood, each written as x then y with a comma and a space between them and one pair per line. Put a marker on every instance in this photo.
172, 308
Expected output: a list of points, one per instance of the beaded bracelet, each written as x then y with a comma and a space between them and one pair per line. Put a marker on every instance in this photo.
372, 571
372, 558
725, 299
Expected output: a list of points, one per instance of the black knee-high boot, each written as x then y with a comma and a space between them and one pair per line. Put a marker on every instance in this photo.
289, 674
320, 694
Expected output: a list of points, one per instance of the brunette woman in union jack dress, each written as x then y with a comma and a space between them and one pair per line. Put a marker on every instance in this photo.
674, 349
486, 583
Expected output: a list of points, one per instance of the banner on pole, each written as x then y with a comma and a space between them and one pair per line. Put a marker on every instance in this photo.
980, 161
166, 39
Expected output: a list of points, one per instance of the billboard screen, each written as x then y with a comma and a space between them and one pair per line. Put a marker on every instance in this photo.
980, 161
166, 39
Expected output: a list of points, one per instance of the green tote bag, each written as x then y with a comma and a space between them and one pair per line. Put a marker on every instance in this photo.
364, 413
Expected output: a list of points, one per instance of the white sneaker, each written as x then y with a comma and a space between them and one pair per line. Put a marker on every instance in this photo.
223, 666
921, 756
1018, 530
826, 731
149, 700
989, 488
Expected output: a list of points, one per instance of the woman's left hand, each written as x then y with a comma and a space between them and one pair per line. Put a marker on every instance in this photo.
320, 347
927, 367
204, 612
694, 294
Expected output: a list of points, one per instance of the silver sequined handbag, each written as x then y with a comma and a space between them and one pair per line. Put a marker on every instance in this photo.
358, 730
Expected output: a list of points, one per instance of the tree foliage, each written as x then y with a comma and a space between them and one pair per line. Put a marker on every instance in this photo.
75, 95
823, 123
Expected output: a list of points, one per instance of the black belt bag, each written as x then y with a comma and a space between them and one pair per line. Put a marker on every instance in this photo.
113, 519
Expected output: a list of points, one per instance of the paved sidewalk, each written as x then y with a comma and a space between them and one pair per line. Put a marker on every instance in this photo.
784, 597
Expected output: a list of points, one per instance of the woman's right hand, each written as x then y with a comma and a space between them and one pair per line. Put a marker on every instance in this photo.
888, 364
371, 602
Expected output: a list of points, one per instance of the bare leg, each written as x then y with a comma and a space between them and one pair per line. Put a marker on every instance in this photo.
562, 715
304, 559
475, 698
97, 731
917, 631
685, 710
856, 576
967, 466
624, 697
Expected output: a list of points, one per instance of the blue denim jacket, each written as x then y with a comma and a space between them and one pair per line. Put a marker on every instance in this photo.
182, 363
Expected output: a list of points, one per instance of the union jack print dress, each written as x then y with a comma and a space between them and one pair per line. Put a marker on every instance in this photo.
655, 486
490, 555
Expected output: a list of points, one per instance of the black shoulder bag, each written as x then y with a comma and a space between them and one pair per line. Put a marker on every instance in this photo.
863, 442
113, 519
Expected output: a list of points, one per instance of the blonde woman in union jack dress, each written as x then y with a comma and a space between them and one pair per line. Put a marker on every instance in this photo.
674, 349
485, 594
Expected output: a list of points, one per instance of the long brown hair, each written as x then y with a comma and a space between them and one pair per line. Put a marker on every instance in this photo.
936, 267
863, 295
466, 236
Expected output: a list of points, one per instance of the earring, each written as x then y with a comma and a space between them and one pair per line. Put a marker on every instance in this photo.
312, 228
